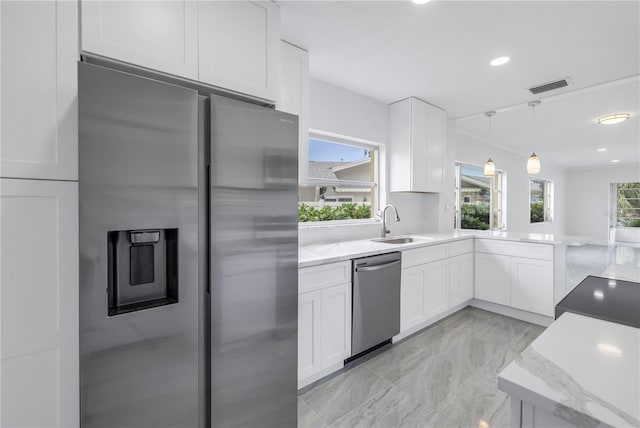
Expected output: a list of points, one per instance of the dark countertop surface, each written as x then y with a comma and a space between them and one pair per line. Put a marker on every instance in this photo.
604, 298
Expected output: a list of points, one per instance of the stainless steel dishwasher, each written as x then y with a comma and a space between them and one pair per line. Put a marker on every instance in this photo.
376, 301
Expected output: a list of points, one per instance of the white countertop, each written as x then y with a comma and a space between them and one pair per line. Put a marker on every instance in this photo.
566, 373
312, 255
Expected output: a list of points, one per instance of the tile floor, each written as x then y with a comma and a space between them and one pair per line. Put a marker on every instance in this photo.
444, 376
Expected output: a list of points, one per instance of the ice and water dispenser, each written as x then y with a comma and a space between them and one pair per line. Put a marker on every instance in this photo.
143, 269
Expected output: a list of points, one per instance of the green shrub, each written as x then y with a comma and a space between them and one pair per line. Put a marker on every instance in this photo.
347, 211
474, 216
537, 212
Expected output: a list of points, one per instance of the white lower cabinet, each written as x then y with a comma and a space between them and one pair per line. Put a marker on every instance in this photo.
412, 297
336, 324
460, 279
424, 287
309, 333
529, 285
39, 303
519, 275
324, 320
436, 287
493, 278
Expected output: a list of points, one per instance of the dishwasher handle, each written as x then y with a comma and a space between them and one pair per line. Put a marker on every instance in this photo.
376, 267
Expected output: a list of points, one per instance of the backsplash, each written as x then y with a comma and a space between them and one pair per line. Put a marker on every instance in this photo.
324, 234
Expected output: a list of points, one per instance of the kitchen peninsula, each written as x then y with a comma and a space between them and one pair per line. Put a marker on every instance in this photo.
581, 371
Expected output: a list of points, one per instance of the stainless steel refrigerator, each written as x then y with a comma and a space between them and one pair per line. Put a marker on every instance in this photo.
188, 256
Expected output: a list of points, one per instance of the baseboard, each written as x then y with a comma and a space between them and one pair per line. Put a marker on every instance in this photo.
508, 311
317, 376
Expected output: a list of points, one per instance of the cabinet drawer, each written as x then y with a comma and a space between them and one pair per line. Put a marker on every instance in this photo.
419, 256
518, 249
457, 248
318, 277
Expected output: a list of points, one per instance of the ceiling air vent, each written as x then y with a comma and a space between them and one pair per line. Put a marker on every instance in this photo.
550, 86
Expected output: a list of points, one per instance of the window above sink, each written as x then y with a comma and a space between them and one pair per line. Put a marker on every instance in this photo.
342, 180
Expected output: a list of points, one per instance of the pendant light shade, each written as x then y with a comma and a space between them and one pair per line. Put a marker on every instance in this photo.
489, 168
533, 164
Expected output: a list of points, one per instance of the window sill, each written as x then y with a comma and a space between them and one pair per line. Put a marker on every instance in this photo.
540, 223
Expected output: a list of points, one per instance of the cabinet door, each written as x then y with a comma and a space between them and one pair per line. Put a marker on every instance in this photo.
309, 333
39, 303
239, 46
160, 35
336, 324
436, 287
39, 51
461, 278
412, 297
492, 282
419, 150
436, 123
294, 97
532, 285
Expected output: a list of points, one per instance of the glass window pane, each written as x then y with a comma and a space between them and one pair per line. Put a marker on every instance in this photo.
325, 198
475, 198
537, 200
628, 205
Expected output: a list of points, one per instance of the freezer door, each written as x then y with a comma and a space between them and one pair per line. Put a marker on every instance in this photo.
139, 286
254, 265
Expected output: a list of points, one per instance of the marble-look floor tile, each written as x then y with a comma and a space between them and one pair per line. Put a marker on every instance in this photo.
444, 376
503, 331
344, 393
440, 375
391, 408
477, 400
307, 418
525, 338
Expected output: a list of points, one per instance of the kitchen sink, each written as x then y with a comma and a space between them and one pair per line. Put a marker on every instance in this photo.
394, 240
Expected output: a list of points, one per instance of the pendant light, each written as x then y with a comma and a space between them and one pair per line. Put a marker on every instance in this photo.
533, 164
490, 167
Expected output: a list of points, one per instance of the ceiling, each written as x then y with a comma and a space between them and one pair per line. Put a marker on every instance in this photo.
440, 52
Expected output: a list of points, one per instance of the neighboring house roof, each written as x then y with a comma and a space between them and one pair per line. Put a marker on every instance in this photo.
347, 165
466, 183
327, 170
323, 169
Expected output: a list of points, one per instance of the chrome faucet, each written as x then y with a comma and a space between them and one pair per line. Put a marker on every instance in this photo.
383, 214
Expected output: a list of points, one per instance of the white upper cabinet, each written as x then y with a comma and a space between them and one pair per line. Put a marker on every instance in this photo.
161, 35
239, 46
294, 96
38, 114
417, 139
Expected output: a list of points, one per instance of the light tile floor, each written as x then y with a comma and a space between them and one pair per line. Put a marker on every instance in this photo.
444, 376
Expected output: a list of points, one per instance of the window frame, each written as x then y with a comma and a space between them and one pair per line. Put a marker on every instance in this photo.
548, 201
615, 207
501, 210
378, 163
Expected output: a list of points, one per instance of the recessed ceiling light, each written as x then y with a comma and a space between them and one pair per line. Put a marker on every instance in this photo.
602, 149
598, 294
615, 161
613, 118
500, 60
420, 1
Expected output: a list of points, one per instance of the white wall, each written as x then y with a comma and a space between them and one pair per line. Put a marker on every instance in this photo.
588, 199
476, 152
339, 111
